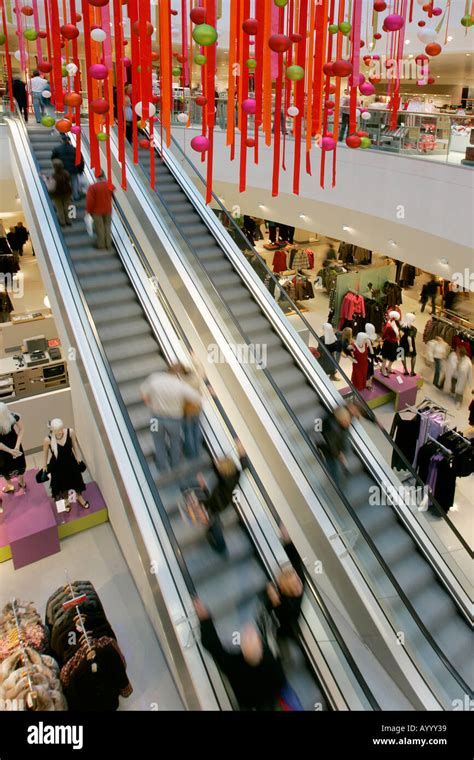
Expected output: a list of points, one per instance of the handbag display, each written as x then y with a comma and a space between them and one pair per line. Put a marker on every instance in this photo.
42, 476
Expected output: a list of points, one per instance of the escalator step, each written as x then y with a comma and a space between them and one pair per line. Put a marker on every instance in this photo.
132, 349
112, 280
98, 266
117, 296
202, 561
124, 330
127, 371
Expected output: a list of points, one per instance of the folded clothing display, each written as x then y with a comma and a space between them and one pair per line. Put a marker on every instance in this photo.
34, 633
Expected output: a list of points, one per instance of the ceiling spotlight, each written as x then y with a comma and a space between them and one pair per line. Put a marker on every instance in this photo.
437, 76
407, 42
262, 207
411, 55
392, 242
303, 216
444, 262
450, 39
346, 228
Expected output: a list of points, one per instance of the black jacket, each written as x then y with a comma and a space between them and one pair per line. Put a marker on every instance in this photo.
221, 495
255, 687
335, 437
288, 611
67, 154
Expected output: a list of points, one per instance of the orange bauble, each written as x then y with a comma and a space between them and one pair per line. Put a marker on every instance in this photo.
149, 28
73, 99
63, 125
27, 10
433, 49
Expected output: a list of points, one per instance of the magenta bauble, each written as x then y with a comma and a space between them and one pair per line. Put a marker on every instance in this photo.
76, 130
342, 68
328, 143
200, 144
366, 88
98, 71
437, 11
126, 62
394, 22
249, 106
360, 79
279, 43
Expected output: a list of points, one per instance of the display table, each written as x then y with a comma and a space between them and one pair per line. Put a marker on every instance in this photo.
31, 528
404, 391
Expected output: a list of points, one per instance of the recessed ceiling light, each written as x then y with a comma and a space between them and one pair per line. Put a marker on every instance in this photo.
392, 242
450, 39
438, 76
262, 207
407, 42
303, 216
468, 54
346, 228
411, 55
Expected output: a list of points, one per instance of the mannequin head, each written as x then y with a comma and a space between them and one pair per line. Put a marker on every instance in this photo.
251, 645
370, 330
57, 427
7, 419
329, 334
362, 341
409, 319
394, 315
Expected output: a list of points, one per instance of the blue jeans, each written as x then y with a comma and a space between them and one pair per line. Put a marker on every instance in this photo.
192, 436
438, 363
38, 106
215, 534
76, 189
167, 440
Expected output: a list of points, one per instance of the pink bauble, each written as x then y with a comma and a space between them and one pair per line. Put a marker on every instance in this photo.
376, 58
328, 143
249, 106
330, 113
437, 11
126, 62
98, 71
394, 22
360, 79
76, 130
366, 88
200, 144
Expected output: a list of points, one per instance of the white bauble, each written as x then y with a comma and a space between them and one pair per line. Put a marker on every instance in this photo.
46, 94
139, 109
366, 116
17, 55
293, 111
98, 35
427, 35
183, 118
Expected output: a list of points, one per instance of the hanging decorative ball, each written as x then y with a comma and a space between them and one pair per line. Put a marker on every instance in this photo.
98, 3
17, 55
181, 58
251, 63
250, 142
329, 104
198, 15
293, 111
47, 121
201, 100
126, 62
330, 112
431, 80
30, 34
42, 35
379, 6
422, 59
139, 109
377, 36
361, 133
183, 118
76, 130
98, 35
200, 59
437, 11
328, 69
353, 141
63, 125
280, 3
143, 143
427, 35
296, 37
99, 105
149, 28
376, 58
295, 73
46, 94
467, 21
155, 56
64, 71
73, 99
200, 143
328, 143
421, 23
176, 71
250, 26
204, 34
358, 81
433, 49
394, 22
279, 43
98, 71
333, 28
174, 13
71, 69
77, 18
69, 31
102, 136
27, 10
374, 80
331, 89
345, 27
365, 142
45, 67
366, 88
249, 106
366, 116
342, 68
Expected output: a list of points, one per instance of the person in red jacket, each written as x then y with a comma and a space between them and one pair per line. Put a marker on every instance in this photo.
390, 337
99, 206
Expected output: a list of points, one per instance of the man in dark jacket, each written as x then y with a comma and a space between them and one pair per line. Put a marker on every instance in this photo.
67, 154
255, 674
22, 236
284, 599
21, 97
217, 500
335, 441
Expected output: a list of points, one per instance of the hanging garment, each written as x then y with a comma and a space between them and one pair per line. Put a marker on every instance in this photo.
310, 255
362, 255
10, 466
459, 341
360, 368
405, 433
393, 294
446, 475
351, 303
300, 261
279, 261
432, 424
463, 452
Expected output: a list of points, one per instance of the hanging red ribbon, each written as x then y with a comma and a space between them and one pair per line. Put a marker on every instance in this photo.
244, 79
77, 80
211, 17
299, 93
93, 143
165, 68
277, 112
57, 63
135, 63
39, 52
119, 78
7, 56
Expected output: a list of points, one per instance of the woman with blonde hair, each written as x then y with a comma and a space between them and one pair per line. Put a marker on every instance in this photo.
63, 461
12, 457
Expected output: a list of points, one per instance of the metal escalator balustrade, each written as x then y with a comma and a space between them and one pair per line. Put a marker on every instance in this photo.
380, 530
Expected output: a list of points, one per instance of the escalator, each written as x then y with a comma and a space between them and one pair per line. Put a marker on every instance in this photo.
230, 587
433, 615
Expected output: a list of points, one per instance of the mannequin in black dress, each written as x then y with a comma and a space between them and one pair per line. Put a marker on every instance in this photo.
12, 457
62, 459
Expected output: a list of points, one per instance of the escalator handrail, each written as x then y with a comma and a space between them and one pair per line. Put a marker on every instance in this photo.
321, 346
341, 494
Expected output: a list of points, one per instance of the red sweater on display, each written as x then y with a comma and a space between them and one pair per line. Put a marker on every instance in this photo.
389, 334
99, 198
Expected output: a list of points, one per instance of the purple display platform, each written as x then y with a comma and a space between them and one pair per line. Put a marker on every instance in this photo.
30, 526
405, 392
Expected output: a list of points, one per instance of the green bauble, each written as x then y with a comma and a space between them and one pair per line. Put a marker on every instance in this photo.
280, 3
333, 28
2, 39
63, 71
102, 136
30, 34
295, 73
365, 142
48, 121
345, 27
204, 35
200, 59
176, 71
251, 63
467, 21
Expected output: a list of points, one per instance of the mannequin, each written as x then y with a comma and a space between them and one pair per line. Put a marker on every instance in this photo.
12, 457
333, 345
373, 349
407, 342
64, 463
360, 366
390, 336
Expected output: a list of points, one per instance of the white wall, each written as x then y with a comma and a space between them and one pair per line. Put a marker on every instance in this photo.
424, 206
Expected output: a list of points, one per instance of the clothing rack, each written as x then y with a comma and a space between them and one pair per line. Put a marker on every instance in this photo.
449, 314
445, 451
24, 657
456, 325
85, 636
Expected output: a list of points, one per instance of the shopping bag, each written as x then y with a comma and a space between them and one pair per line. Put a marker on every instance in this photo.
192, 508
89, 223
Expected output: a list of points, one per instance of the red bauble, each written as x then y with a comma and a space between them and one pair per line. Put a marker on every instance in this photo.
361, 133
63, 44
331, 89
27, 10
353, 141
174, 13
198, 15
279, 43
98, 3
155, 99
433, 49
342, 68
73, 99
201, 100
327, 68
99, 105
296, 37
181, 58
149, 28
367, 59
69, 31
426, 7
421, 23
144, 143
45, 67
421, 59
155, 56
250, 26
63, 125
374, 80
431, 80
42, 35
377, 36
250, 142
78, 18
379, 6
329, 104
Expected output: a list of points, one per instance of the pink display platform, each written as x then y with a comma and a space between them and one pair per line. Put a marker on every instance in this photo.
405, 392
377, 396
30, 526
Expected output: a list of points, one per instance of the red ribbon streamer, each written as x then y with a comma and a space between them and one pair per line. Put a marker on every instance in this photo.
277, 112
299, 94
57, 64
7, 55
118, 39
244, 75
